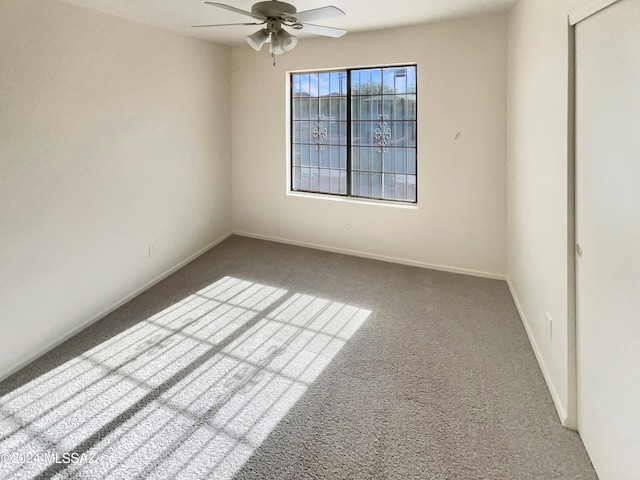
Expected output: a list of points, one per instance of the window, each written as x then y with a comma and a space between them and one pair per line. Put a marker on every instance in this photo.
353, 133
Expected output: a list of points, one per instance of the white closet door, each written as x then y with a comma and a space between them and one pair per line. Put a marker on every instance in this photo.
608, 233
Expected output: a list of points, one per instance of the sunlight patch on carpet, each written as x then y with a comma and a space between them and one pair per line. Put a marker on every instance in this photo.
190, 392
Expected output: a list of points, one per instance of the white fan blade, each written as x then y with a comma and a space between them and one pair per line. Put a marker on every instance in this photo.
225, 24
320, 30
234, 9
318, 14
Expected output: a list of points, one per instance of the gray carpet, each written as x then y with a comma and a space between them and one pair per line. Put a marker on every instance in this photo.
267, 361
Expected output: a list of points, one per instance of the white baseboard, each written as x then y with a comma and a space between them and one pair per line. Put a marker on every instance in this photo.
109, 309
373, 256
557, 401
554, 395
162, 276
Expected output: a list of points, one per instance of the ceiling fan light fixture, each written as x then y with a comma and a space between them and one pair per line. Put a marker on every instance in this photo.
258, 39
275, 49
287, 41
284, 42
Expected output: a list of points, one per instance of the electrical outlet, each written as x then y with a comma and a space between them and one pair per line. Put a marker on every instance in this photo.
153, 249
550, 326
347, 223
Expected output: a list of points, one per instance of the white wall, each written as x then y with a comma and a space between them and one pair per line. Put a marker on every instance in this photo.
112, 135
460, 221
539, 211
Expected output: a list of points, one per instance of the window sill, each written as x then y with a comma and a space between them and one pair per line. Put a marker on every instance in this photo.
352, 200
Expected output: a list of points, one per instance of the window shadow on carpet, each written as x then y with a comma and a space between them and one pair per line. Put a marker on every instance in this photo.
192, 391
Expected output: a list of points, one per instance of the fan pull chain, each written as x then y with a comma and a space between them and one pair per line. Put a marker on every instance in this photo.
273, 53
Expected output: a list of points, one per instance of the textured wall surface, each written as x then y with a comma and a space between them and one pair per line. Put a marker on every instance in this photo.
460, 220
113, 135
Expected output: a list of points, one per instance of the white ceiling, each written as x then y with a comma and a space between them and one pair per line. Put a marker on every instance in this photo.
361, 15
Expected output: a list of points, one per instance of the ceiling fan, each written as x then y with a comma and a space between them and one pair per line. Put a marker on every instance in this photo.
275, 15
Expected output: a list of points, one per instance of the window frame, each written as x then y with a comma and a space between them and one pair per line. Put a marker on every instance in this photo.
349, 196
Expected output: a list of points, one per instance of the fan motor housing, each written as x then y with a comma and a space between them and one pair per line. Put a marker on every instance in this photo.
273, 9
